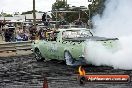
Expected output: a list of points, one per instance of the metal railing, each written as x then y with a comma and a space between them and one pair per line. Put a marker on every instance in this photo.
19, 48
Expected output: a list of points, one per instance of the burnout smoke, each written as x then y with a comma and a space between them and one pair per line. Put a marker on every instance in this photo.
115, 22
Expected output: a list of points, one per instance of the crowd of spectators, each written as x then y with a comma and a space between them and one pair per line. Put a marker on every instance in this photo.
13, 34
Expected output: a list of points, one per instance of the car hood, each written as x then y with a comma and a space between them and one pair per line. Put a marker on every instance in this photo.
92, 38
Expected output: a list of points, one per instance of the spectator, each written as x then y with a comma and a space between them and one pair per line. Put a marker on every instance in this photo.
44, 19
7, 35
78, 22
19, 33
42, 34
0, 27
25, 35
12, 34
33, 33
2, 24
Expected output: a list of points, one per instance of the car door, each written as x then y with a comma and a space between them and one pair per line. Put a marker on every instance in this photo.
53, 50
53, 46
44, 48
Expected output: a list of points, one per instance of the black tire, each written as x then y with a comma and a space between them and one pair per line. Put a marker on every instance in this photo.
38, 55
68, 58
81, 80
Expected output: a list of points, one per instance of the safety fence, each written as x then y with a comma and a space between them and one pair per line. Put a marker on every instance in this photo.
15, 48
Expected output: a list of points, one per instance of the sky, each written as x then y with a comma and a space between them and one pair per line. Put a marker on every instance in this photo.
11, 6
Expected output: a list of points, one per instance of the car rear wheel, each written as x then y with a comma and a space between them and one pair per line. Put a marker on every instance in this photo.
38, 55
68, 58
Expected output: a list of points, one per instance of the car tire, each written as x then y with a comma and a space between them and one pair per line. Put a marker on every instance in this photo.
38, 55
68, 58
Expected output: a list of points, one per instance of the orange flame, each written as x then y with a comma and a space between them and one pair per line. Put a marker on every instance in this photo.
81, 71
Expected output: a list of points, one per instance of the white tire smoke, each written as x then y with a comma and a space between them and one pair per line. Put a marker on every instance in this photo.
116, 21
98, 55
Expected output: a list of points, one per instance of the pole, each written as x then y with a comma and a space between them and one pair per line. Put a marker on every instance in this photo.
79, 13
89, 19
34, 15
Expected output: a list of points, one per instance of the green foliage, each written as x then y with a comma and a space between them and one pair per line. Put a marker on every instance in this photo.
59, 4
70, 16
56, 6
6, 15
97, 7
28, 12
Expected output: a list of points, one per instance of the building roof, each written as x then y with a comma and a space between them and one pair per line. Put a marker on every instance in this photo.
13, 19
30, 16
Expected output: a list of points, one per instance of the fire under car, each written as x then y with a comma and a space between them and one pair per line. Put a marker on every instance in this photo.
69, 45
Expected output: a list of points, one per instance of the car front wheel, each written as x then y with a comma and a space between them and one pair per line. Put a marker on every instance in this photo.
68, 58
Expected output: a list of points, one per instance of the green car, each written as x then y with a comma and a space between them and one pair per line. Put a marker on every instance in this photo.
68, 44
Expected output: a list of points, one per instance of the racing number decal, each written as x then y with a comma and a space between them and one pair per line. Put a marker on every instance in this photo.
53, 47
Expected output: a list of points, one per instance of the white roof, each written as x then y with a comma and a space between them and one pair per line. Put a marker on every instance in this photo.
73, 29
30, 16
22, 17
11, 18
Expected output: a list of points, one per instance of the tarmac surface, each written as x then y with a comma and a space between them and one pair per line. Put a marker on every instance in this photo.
26, 72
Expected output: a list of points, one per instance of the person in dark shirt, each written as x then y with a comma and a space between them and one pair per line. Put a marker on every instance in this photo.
7, 35
1, 28
42, 34
33, 33
78, 22
44, 20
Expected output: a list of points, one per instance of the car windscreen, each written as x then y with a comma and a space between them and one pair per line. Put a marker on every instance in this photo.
68, 34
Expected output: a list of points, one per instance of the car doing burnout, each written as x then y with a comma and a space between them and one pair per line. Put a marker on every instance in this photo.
68, 45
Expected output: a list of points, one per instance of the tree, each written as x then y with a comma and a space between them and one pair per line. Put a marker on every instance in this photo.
59, 4
69, 16
6, 15
28, 12
97, 7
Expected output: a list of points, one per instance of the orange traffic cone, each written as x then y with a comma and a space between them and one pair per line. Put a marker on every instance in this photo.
45, 83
